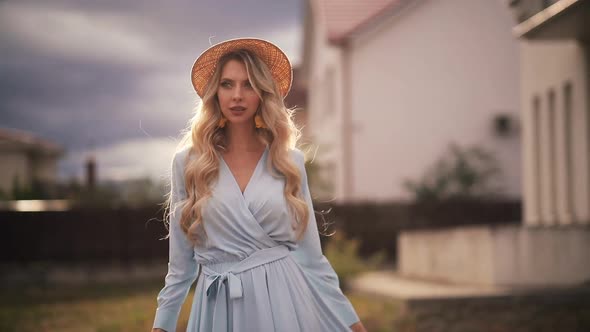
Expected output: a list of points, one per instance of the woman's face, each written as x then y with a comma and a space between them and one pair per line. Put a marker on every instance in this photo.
237, 98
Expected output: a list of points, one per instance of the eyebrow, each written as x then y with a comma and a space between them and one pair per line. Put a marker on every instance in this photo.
229, 79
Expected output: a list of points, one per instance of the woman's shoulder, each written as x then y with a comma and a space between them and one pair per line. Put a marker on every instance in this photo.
181, 154
298, 156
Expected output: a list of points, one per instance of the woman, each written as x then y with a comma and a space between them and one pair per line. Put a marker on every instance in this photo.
240, 208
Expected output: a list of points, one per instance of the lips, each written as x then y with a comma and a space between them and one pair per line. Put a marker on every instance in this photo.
237, 108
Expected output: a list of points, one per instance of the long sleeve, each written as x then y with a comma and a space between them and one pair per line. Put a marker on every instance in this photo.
182, 267
313, 262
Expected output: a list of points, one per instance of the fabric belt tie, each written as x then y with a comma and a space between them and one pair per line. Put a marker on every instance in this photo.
215, 280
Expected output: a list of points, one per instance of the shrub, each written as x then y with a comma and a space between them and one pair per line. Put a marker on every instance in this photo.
343, 255
461, 173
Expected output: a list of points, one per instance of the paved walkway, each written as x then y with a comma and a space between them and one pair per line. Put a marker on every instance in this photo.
388, 283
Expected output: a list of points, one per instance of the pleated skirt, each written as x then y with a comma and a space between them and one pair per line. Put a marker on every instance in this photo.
277, 296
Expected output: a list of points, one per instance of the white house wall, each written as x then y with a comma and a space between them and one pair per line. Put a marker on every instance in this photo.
436, 74
44, 168
14, 164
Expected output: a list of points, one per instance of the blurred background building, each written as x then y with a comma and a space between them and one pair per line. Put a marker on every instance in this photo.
28, 162
393, 82
552, 246
555, 68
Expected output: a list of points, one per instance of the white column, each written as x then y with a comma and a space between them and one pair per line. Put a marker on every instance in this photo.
552, 139
564, 154
546, 162
531, 160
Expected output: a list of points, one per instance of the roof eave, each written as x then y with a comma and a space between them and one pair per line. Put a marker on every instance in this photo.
394, 9
531, 25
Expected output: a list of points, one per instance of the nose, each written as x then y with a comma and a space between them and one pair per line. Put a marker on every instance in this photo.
237, 95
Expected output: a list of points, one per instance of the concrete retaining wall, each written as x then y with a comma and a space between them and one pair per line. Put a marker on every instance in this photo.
507, 255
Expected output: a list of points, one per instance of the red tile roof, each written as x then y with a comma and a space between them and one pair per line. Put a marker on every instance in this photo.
344, 17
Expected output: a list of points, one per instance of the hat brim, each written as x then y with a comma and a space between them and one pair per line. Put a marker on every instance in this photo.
272, 55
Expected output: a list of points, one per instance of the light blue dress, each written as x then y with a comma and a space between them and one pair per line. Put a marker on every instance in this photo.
254, 275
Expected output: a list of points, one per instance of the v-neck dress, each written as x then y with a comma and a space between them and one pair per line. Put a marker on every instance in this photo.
254, 275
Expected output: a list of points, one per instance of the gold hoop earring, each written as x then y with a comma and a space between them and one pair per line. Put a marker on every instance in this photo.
259, 122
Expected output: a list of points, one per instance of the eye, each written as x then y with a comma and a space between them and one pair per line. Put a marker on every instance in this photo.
225, 84
248, 85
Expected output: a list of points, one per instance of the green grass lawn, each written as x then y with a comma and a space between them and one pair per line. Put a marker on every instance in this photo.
124, 308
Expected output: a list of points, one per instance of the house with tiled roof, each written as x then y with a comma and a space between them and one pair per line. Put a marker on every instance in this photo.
25, 158
391, 83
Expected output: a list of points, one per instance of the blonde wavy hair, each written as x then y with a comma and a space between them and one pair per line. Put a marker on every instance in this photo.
206, 140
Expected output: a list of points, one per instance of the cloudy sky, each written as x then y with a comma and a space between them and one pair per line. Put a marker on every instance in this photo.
112, 77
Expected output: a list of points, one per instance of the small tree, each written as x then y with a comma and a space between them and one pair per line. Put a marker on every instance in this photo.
317, 181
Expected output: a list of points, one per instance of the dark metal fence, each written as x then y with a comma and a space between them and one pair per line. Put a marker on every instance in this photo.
133, 235
92, 235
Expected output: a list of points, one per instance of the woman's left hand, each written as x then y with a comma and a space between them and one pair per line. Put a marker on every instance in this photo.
358, 327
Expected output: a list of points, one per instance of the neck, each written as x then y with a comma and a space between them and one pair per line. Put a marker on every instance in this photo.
241, 138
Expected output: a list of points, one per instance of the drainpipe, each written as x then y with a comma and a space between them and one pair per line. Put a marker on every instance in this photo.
347, 126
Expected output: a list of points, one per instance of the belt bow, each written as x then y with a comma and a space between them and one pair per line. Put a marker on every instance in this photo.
215, 281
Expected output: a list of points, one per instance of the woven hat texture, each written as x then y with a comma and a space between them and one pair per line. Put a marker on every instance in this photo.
272, 55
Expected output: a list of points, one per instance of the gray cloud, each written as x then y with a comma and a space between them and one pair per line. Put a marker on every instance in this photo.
99, 73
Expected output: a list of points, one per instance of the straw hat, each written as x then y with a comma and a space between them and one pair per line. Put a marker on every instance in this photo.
272, 55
